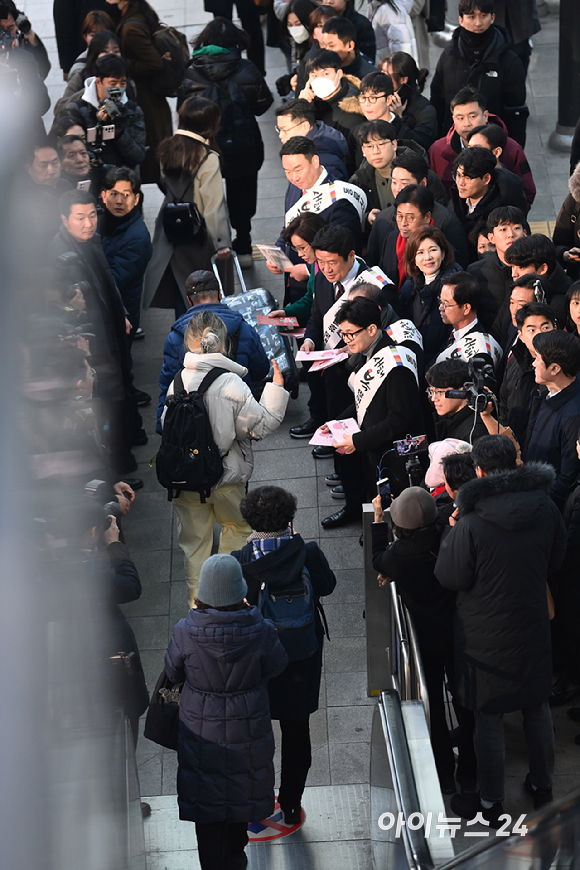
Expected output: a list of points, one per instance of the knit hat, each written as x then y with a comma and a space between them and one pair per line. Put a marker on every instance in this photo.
221, 581
413, 509
437, 451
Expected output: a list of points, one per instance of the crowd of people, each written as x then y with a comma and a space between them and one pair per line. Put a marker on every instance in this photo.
407, 258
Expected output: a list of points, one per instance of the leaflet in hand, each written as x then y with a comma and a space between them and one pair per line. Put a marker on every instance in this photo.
338, 429
314, 355
268, 320
276, 256
326, 363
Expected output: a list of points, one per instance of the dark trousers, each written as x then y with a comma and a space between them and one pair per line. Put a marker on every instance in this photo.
434, 654
220, 844
249, 15
296, 762
241, 194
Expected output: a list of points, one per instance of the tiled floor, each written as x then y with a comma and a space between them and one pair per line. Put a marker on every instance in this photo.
340, 729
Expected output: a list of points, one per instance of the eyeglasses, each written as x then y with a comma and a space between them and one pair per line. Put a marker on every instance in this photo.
300, 249
431, 392
371, 100
287, 129
463, 177
349, 336
407, 218
375, 146
446, 305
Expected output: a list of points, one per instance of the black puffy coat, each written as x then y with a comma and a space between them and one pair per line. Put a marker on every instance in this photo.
419, 122
495, 283
419, 302
128, 146
510, 536
225, 744
517, 391
241, 92
365, 35
499, 76
460, 425
293, 693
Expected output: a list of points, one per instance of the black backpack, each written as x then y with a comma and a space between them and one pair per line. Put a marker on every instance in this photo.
183, 224
172, 46
188, 458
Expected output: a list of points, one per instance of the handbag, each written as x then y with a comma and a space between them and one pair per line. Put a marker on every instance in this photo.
162, 720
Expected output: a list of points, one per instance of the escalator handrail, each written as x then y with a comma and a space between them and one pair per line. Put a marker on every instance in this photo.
538, 819
423, 694
416, 846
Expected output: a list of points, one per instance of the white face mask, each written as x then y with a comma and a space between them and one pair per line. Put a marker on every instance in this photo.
298, 33
323, 88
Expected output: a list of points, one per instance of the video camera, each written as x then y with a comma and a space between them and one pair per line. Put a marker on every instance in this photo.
474, 390
407, 453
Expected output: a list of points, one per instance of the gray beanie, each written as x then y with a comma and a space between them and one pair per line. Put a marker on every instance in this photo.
221, 581
413, 509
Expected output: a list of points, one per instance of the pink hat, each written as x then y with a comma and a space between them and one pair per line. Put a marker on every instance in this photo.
438, 450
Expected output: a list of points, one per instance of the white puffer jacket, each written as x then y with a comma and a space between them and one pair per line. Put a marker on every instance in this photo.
236, 418
393, 29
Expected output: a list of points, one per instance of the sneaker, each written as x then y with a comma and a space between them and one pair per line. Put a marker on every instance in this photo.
322, 452
305, 430
143, 398
292, 815
138, 334
332, 479
337, 492
541, 796
467, 806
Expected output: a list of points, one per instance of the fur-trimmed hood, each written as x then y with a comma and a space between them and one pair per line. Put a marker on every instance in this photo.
574, 184
489, 496
350, 103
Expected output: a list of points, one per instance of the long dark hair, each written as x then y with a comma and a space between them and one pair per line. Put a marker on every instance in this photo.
99, 43
223, 33
149, 14
179, 154
404, 65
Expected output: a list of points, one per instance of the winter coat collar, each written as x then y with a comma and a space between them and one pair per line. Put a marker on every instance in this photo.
90, 93
527, 478
452, 138
204, 362
498, 46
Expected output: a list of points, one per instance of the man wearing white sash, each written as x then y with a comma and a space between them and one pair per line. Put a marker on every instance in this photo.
386, 402
459, 300
338, 269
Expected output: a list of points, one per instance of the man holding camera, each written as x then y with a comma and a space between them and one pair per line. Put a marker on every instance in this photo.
116, 125
19, 26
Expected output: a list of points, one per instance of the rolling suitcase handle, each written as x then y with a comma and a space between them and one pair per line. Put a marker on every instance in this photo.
214, 261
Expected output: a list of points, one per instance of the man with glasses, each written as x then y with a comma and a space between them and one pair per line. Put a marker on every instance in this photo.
378, 142
297, 118
453, 417
460, 298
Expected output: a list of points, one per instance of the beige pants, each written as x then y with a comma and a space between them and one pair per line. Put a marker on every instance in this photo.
195, 525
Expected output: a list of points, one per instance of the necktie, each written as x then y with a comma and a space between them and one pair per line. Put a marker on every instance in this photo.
339, 290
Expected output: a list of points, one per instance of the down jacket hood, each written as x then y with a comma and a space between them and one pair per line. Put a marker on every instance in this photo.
225, 635
486, 496
328, 139
350, 102
218, 67
574, 184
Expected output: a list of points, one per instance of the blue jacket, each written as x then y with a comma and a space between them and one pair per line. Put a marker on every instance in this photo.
251, 353
128, 249
332, 148
225, 745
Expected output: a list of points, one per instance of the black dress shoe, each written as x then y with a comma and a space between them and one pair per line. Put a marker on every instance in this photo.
337, 492
140, 438
541, 796
133, 482
321, 452
139, 332
143, 398
305, 430
292, 815
340, 518
467, 806
332, 479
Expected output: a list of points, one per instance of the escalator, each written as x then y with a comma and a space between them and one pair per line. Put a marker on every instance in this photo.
410, 826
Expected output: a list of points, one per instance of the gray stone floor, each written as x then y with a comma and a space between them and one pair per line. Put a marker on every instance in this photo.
341, 727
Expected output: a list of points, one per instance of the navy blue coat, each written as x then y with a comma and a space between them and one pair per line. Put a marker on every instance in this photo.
225, 745
128, 249
251, 353
332, 148
293, 693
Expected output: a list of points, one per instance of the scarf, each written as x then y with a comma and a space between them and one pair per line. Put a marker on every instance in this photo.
266, 542
110, 222
474, 45
401, 245
213, 50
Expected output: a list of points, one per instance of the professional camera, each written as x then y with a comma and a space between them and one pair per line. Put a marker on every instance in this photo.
474, 390
23, 24
97, 489
70, 267
110, 106
6, 40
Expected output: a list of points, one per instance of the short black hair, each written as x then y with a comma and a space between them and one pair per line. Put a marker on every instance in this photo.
378, 83
480, 229
36, 146
465, 288
534, 309
418, 195
121, 173
495, 135
458, 468
529, 282
268, 508
111, 66
413, 163
334, 240
534, 250
298, 110
448, 374
376, 130
359, 311
299, 145
342, 28
324, 59
505, 214
493, 453
466, 7
468, 95
561, 348
69, 118
475, 162
75, 197
369, 291
68, 140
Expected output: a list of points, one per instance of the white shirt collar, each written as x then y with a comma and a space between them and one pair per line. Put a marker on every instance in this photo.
459, 333
348, 281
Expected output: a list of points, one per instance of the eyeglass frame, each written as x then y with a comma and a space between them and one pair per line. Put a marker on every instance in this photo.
350, 336
446, 305
371, 100
436, 390
287, 130
375, 145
